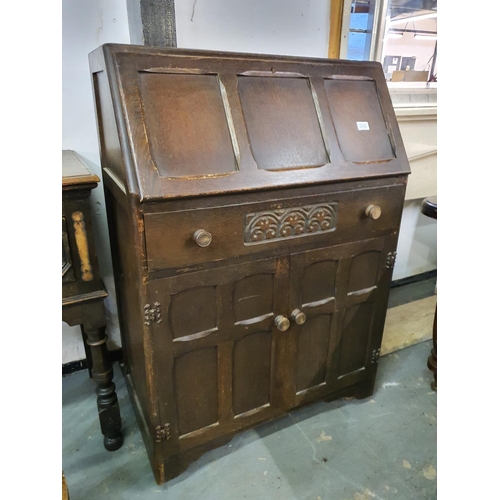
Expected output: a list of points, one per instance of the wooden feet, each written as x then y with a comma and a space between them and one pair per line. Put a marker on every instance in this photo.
365, 390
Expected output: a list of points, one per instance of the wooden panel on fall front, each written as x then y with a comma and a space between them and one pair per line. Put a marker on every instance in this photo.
282, 122
186, 124
358, 120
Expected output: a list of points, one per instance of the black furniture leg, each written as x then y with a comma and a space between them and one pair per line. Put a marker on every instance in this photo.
102, 374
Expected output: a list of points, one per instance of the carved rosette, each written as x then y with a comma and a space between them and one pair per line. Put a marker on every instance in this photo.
290, 222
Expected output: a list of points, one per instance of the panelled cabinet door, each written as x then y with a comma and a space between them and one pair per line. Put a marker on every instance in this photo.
217, 350
336, 290
313, 297
363, 284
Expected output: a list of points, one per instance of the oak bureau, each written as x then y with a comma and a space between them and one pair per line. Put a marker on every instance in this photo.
254, 205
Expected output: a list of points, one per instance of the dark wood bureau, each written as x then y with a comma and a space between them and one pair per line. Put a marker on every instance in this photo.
254, 205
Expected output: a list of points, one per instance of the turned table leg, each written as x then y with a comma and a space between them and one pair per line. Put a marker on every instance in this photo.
107, 401
432, 359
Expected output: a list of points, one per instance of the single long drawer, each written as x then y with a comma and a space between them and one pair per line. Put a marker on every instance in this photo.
278, 226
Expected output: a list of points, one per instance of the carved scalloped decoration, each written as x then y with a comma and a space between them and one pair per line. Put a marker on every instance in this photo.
290, 222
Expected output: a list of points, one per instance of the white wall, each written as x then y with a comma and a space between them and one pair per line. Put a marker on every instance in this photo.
287, 27
86, 24
417, 250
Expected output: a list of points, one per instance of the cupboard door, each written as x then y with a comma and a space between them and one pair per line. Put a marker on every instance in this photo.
217, 350
364, 277
337, 290
313, 297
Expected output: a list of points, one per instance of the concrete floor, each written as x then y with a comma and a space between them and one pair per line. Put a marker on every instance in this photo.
383, 447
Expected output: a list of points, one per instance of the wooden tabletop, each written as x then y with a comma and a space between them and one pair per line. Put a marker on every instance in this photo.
74, 172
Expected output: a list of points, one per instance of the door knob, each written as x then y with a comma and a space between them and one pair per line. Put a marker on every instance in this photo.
299, 317
282, 323
203, 238
373, 212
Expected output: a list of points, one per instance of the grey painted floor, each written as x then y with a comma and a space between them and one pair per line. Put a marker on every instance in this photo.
383, 447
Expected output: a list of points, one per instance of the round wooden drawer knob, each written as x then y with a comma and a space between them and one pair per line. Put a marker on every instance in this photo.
299, 317
282, 323
373, 212
203, 238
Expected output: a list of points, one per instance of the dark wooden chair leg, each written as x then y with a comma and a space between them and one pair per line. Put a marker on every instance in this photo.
107, 401
432, 359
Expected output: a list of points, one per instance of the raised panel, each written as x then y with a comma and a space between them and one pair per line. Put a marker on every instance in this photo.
359, 123
312, 352
193, 311
355, 335
186, 124
252, 372
363, 271
195, 382
319, 281
253, 297
282, 122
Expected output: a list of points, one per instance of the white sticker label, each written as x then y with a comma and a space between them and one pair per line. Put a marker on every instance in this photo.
363, 125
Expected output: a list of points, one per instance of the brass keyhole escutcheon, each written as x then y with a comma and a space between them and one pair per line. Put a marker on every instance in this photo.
299, 317
373, 212
282, 323
203, 238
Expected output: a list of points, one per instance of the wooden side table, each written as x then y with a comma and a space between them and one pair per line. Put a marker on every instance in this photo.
83, 291
429, 208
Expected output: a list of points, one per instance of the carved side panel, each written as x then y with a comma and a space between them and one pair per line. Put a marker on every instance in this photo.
195, 382
290, 222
